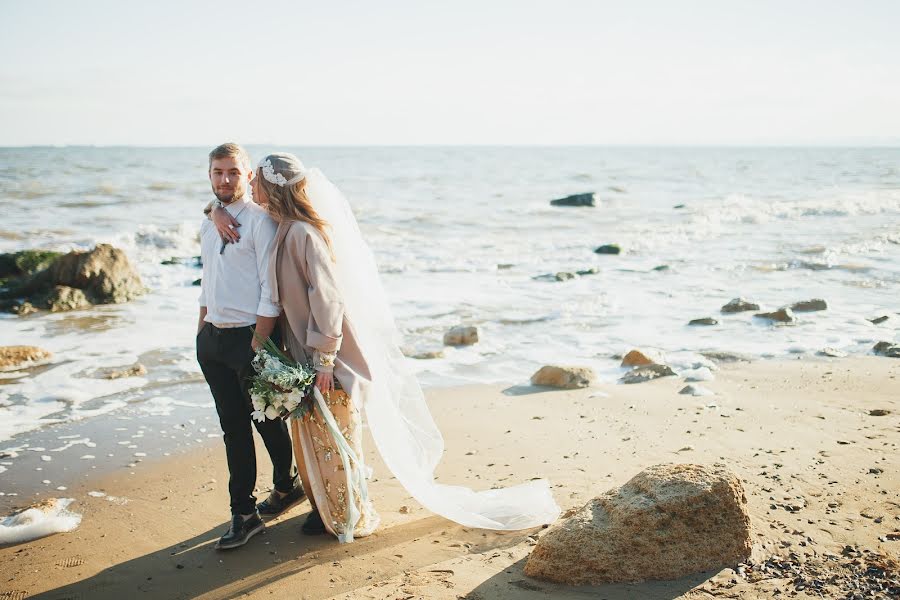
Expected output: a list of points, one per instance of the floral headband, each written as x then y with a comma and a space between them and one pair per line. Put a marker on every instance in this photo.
269, 174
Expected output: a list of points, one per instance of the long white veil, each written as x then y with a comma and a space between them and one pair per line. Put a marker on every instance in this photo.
404, 431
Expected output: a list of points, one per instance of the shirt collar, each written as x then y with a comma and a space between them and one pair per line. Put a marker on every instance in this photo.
237, 205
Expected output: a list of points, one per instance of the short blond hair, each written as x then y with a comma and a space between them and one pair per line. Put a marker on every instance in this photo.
230, 150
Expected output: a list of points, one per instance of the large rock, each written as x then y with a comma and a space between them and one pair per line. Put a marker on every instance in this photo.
568, 378
461, 336
76, 280
12, 357
737, 305
647, 373
667, 522
104, 274
575, 200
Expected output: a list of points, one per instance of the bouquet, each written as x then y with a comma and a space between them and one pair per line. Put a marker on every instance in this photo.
280, 389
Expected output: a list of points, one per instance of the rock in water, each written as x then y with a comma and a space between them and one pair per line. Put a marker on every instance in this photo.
667, 522
575, 200
782, 315
104, 274
639, 358
739, 305
567, 378
878, 320
647, 373
608, 249
703, 321
887, 349
809, 305
461, 336
21, 356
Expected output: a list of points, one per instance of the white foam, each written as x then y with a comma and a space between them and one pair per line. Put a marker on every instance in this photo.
37, 522
96, 494
698, 374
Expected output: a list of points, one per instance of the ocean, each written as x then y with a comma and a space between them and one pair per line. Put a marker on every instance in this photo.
466, 235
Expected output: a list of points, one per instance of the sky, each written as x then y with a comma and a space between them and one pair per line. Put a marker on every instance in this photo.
395, 72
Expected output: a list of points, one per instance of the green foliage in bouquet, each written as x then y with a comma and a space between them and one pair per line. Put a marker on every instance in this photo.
281, 386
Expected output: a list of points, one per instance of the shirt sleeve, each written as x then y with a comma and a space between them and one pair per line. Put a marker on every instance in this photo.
326, 306
204, 260
264, 246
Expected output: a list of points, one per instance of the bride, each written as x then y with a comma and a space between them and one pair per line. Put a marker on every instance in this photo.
337, 317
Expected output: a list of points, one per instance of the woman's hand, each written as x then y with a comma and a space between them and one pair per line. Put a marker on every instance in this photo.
325, 382
225, 224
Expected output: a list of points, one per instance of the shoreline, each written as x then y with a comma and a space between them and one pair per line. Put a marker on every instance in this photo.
799, 434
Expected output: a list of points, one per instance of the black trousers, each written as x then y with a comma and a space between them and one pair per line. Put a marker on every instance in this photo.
224, 356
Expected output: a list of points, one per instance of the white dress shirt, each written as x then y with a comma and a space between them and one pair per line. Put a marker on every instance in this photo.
235, 286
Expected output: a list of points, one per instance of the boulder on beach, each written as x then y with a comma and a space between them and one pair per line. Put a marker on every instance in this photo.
461, 336
667, 522
695, 390
737, 305
567, 378
704, 321
647, 373
76, 280
809, 305
608, 249
782, 315
12, 357
639, 358
575, 200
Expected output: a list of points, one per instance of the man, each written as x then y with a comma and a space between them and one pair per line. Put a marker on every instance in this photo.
235, 298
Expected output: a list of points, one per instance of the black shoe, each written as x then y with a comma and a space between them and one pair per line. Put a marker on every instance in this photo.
276, 504
240, 532
313, 524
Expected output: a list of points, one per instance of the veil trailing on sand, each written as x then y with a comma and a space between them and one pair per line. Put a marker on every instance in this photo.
407, 438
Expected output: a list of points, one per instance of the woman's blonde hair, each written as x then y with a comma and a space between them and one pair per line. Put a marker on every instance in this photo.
290, 203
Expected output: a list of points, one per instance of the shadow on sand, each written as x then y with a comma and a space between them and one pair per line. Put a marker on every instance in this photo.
194, 569
512, 582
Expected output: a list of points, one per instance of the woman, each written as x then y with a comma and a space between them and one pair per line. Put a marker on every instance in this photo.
336, 315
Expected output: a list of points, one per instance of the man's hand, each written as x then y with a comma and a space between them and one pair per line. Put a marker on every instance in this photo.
225, 224
325, 382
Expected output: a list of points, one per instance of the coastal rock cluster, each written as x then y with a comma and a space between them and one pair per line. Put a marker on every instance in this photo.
31, 280
668, 521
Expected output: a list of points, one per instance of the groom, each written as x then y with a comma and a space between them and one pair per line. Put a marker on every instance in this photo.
235, 298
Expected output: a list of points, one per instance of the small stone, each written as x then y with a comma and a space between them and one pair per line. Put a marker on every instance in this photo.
879, 412
813, 305
725, 357
608, 249
704, 321
639, 358
575, 200
739, 305
591, 271
661, 268
568, 378
428, 355
832, 352
878, 320
889, 349
461, 336
647, 373
197, 282
696, 390
136, 370
404, 510
782, 315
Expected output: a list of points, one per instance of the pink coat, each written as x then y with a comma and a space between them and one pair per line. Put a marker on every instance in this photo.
302, 271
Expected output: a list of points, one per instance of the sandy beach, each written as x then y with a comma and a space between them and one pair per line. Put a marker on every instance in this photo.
820, 471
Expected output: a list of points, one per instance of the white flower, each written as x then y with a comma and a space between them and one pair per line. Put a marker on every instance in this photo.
271, 412
258, 415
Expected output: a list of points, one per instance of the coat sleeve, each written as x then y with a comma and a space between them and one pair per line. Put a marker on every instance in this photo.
326, 306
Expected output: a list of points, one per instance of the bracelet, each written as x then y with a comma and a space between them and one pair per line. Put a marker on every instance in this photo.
325, 359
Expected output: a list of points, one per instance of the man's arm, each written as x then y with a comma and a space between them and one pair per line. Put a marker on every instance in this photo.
264, 328
202, 317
